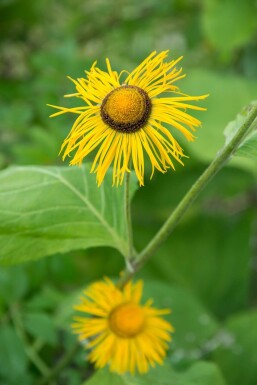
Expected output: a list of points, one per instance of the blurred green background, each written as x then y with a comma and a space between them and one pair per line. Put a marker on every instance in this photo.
207, 270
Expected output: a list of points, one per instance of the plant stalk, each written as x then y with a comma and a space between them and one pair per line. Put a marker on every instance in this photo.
221, 159
130, 255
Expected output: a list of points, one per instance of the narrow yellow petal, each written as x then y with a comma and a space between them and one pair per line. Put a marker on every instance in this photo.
125, 124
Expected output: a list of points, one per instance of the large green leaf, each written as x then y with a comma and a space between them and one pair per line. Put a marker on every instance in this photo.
237, 355
201, 373
47, 210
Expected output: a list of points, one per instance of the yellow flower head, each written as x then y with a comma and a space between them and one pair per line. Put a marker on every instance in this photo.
122, 122
120, 331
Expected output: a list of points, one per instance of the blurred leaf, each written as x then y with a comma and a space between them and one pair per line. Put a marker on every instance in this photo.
237, 355
2, 161
201, 373
50, 210
49, 273
97, 262
47, 298
194, 326
41, 325
193, 258
12, 355
13, 283
42, 147
228, 24
71, 376
161, 195
16, 117
104, 377
249, 60
64, 270
228, 94
65, 310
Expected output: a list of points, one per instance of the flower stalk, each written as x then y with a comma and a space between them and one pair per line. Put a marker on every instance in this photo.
221, 159
128, 219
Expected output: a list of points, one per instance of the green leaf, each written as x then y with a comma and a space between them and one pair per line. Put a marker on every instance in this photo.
19, 118
248, 148
156, 200
71, 376
237, 355
47, 298
65, 310
41, 147
201, 373
13, 283
41, 325
228, 24
104, 377
228, 94
193, 258
47, 210
12, 355
233, 126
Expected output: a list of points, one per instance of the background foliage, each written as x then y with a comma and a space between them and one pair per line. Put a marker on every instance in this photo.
206, 272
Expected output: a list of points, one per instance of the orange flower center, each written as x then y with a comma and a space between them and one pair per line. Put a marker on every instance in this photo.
126, 109
127, 320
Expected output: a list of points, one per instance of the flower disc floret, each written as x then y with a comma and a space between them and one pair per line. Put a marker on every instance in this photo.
127, 320
123, 124
126, 109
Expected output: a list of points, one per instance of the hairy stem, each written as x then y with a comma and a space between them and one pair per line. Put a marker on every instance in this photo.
128, 220
222, 157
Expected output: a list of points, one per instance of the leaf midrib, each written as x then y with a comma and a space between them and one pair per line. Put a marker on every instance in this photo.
120, 243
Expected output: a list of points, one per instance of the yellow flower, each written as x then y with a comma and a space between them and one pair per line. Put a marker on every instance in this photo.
120, 331
123, 122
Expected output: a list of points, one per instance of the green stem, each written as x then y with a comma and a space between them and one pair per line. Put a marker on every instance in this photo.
222, 157
128, 220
